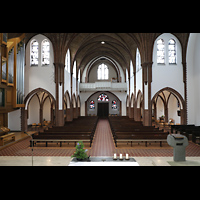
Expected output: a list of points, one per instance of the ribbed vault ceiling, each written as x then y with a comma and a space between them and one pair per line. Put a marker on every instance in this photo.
119, 47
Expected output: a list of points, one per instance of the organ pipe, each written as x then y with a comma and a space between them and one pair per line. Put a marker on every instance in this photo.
20, 72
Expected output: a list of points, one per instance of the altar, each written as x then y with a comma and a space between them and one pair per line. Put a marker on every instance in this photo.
104, 161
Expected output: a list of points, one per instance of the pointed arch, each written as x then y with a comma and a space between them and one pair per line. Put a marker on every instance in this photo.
179, 98
132, 99
174, 92
67, 99
139, 98
78, 101
34, 92
42, 95
74, 101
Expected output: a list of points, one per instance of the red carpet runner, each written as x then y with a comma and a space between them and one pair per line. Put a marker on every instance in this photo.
103, 144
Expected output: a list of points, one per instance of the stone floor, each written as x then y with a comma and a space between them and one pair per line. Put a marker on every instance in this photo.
65, 160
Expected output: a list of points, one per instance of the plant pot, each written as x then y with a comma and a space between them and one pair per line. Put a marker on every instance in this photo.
79, 159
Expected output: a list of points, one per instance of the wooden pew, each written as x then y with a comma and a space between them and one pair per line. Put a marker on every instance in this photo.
141, 137
7, 138
126, 130
61, 138
177, 127
82, 129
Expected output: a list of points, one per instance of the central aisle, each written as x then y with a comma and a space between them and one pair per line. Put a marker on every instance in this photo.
103, 144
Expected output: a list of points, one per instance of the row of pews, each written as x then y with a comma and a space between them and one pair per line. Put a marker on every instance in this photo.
127, 130
82, 129
187, 130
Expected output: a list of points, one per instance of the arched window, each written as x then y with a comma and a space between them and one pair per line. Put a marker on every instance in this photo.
92, 106
67, 61
103, 97
138, 60
172, 51
79, 75
102, 72
131, 68
74, 69
114, 104
45, 52
34, 53
160, 51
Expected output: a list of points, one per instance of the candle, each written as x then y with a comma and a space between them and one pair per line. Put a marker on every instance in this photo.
120, 156
115, 156
127, 156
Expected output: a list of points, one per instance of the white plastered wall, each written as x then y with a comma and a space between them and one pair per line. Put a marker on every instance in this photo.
39, 76
167, 75
193, 79
121, 95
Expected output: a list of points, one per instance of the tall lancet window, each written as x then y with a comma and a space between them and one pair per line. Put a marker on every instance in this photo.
34, 53
172, 51
102, 72
160, 51
45, 52
138, 60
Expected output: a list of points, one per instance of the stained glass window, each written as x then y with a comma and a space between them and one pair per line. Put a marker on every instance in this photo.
114, 104
103, 97
45, 52
34, 53
160, 51
92, 106
172, 51
102, 72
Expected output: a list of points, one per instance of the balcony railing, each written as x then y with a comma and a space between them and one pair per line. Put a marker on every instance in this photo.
101, 86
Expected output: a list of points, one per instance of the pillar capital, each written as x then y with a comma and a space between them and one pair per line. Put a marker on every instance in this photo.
147, 64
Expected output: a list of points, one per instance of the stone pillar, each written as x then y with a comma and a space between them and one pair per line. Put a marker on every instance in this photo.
184, 112
59, 81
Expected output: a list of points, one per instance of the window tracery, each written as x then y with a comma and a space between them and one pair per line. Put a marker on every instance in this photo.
160, 51
103, 97
34, 53
172, 51
102, 72
45, 52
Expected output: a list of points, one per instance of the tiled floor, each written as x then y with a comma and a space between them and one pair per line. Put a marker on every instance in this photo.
103, 145
65, 160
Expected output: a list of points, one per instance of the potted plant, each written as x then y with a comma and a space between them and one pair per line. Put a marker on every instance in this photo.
80, 153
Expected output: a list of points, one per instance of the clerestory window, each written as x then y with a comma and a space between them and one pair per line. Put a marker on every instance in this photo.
160, 51
45, 52
102, 72
34, 53
172, 51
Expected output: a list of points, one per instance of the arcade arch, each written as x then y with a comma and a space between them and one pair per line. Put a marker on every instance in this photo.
169, 103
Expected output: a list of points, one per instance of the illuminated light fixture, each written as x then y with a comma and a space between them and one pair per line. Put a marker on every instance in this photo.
102, 42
